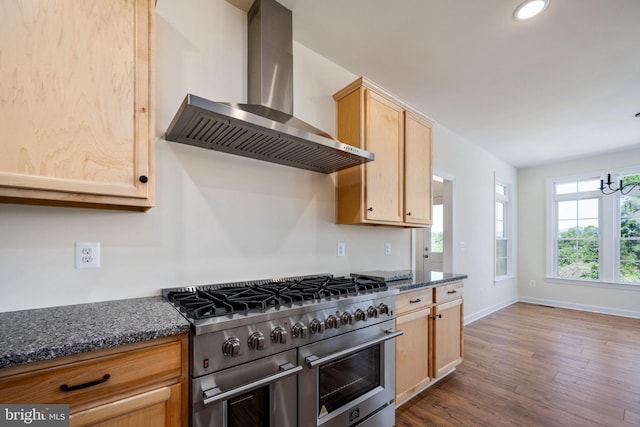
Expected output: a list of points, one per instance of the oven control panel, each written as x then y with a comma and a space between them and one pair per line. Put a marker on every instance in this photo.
286, 328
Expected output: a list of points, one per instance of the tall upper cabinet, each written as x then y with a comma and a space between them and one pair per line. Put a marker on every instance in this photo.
76, 104
394, 189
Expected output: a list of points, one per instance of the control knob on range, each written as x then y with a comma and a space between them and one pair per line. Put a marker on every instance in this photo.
299, 330
372, 311
256, 340
231, 347
316, 326
279, 335
332, 322
346, 318
360, 315
383, 308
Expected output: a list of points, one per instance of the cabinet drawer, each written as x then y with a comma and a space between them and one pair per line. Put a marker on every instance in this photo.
448, 292
126, 371
414, 300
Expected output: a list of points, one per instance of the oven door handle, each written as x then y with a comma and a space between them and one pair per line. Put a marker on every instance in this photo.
312, 361
216, 395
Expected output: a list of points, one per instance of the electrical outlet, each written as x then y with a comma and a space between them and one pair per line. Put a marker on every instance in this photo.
87, 255
387, 248
341, 249
532, 283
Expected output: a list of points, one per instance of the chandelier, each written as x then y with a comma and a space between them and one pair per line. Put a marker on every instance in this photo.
608, 187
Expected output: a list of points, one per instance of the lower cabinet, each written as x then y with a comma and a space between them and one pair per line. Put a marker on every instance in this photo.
432, 343
412, 354
159, 407
447, 336
141, 384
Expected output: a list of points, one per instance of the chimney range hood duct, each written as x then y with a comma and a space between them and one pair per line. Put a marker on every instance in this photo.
265, 128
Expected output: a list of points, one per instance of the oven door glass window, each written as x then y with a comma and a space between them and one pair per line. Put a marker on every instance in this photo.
343, 380
249, 409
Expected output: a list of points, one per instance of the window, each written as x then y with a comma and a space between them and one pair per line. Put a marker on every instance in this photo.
577, 229
592, 236
502, 231
629, 244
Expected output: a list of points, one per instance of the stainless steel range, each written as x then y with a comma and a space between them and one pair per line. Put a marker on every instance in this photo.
306, 351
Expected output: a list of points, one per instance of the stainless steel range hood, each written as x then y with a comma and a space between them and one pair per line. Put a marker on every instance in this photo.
265, 128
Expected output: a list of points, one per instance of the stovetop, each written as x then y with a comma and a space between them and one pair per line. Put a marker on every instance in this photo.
244, 298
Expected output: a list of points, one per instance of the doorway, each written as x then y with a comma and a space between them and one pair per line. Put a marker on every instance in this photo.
433, 252
433, 245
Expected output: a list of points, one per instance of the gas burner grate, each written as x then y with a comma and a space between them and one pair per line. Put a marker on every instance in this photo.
212, 300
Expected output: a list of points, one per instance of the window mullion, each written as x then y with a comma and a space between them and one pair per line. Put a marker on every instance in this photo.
609, 247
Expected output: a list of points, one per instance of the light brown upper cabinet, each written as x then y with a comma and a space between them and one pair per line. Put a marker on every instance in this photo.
76, 103
394, 189
417, 170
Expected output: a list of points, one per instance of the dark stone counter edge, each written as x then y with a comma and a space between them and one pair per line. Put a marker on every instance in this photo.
35, 335
417, 285
48, 353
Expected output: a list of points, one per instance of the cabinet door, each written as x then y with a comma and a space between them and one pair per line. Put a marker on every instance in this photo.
75, 102
412, 354
384, 136
160, 407
417, 173
447, 337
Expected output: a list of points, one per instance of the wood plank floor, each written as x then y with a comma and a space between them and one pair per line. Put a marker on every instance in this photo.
531, 365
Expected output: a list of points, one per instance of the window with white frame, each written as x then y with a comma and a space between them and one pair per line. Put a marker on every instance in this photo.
592, 236
629, 222
502, 228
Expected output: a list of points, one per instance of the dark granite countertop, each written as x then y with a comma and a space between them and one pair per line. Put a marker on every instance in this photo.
405, 280
47, 333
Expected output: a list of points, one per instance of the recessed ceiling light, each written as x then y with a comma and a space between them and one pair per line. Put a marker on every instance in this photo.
529, 8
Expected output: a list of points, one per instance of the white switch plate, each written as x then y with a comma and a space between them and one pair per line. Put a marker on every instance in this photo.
387, 248
87, 255
340, 249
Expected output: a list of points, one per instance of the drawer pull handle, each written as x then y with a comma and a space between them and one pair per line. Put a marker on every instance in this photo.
437, 316
452, 292
66, 387
415, 301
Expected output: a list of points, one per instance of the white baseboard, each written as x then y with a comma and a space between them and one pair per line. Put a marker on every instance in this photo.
487, 311
553, 303
581, 307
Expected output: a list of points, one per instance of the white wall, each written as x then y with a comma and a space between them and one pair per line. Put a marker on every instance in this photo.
532, 207
474, 169
222, 218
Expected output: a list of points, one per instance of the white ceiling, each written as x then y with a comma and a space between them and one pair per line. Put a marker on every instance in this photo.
565, 84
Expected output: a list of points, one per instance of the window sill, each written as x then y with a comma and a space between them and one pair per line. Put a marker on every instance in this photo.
594, 284
503, 279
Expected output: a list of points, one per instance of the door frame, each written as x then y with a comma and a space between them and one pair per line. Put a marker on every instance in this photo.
448, 216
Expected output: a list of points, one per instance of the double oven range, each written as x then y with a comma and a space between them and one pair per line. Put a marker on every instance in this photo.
306, 351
